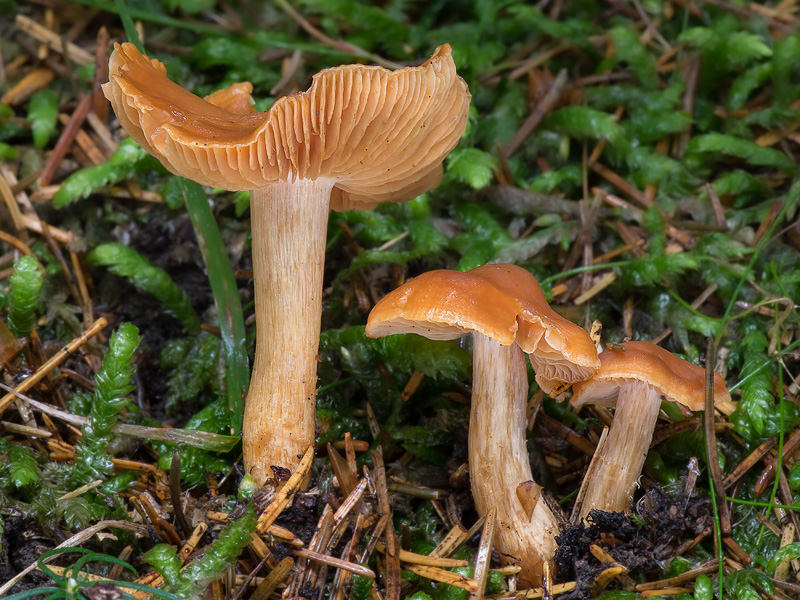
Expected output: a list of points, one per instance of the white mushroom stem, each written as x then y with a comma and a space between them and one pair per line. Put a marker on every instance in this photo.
289, 226
617, 465
498, 458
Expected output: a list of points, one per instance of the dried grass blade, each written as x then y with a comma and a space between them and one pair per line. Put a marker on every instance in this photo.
484, 556
51, 364
442, 576
273, 580
332, 561
560, 588
413, 558
53, 41
282, 498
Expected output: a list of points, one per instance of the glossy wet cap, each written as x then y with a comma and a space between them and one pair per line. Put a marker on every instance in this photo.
380, 134
502, 302
560, 351
677, 380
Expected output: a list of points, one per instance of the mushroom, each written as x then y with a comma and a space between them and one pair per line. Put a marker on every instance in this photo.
637, 378
503, 307
359, 136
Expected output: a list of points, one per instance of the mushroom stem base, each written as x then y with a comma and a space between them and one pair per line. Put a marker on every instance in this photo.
498, 457
617, 465
289, 226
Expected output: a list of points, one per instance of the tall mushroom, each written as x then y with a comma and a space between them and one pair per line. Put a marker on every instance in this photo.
503, 307
359, 136
637, 378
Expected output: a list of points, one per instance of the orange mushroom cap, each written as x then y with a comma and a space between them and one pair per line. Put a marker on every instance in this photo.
445, 305
502, 302
559, 350
381, 135
677, 380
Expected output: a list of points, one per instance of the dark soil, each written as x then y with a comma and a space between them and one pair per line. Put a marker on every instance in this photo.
23, 541
640, 542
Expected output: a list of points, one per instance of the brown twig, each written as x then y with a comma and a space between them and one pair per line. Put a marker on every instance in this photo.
584, 237
25, 87
711, 442
553, 426
690, 79
539, 59
16, 243
66, 139
746, 13
337, 44
743, 467
622, 185
691, 574
393, 577
696, 304
332, 561
175, 493
538, 113
790, 446
52, 40
100, 74
51, 364
85, 143
667, 431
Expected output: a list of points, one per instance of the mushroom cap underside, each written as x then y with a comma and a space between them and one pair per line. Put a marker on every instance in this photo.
381, 135
675, 379
503, 302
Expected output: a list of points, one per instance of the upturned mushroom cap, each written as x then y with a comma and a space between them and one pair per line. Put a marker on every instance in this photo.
675, 379
502, 302
380, 134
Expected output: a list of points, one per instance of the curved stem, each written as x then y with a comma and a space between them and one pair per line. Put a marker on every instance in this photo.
616, 467
289, 226
498, 458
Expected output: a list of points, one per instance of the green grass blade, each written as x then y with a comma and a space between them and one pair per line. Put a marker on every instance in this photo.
127, 23
198, 439
226, 296
34, 592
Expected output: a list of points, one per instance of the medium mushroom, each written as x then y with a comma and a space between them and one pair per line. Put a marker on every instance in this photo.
503, 307
359, 136
637, 378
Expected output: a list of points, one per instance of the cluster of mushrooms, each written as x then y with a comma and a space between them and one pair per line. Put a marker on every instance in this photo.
504, 309
359, 136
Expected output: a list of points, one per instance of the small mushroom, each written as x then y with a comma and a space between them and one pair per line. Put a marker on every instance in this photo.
359, 136
637, 378
503, 307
